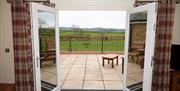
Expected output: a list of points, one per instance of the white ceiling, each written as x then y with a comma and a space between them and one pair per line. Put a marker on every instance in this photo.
93, 4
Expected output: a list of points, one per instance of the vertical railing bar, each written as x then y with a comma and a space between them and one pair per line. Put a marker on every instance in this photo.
102, 44
70, 44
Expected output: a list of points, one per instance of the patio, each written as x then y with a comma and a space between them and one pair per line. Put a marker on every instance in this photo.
85, 71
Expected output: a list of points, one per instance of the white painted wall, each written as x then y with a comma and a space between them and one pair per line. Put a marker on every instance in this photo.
6, 41
176, 33
93, 4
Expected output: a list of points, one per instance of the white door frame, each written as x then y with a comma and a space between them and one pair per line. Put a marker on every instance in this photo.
149, 44
35, 7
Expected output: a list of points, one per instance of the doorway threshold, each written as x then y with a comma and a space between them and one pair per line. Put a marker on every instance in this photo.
87, 90
136, 87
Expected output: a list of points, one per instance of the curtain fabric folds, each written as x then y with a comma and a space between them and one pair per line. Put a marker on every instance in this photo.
165, 21
22, 45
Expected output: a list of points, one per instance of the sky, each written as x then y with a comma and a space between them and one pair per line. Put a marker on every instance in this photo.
47, 19
93, 19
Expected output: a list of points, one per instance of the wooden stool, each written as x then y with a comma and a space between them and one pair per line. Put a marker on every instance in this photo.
110, 58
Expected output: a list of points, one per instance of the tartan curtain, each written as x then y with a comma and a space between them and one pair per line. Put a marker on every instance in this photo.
165, 21
22, 46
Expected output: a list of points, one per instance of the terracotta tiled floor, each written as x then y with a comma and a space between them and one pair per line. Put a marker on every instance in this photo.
85, 71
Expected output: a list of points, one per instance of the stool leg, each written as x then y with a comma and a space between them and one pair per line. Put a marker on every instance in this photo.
122, 65
108, 61
117, 61
112, 63
103, 62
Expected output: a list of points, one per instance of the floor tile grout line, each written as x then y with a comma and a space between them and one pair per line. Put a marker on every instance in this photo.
110, 73
90, 58
85, 71
59, 70
97, 57
49, 71
65, 57
69, 71
100, 71
119, 74
133, 73
118, 71
120, 77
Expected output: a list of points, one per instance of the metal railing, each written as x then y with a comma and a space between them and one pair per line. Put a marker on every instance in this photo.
97, 44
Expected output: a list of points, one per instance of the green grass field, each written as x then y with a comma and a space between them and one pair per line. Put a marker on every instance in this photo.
91, 44
89, 33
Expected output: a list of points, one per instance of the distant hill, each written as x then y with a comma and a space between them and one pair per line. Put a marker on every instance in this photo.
93, 29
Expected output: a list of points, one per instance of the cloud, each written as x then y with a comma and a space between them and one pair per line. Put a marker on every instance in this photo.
92, 19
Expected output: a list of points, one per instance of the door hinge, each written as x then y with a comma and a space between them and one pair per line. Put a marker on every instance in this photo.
154, 27
156, 7
37, 62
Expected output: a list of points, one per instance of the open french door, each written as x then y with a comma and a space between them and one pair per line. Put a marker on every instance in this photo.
45, 35
140, 40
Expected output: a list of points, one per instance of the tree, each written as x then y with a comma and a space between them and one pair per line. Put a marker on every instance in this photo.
42, 22
77, 30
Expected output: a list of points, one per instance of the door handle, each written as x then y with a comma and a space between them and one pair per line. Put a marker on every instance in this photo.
37, 63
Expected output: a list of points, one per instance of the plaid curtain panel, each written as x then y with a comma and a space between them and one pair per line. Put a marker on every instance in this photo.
22, 46
165, 21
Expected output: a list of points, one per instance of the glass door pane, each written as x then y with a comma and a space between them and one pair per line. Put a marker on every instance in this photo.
137, 39
139, 47
47, 48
